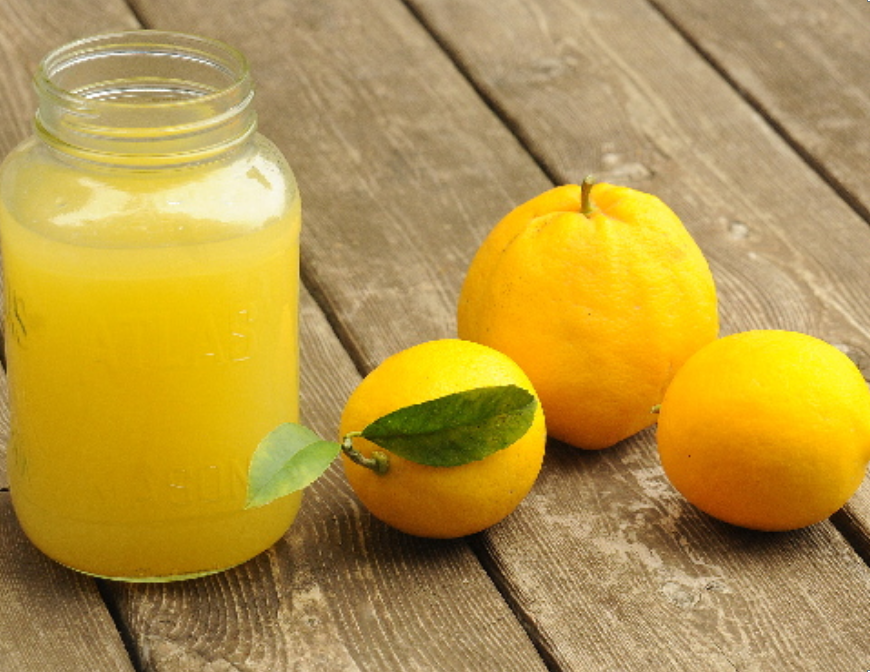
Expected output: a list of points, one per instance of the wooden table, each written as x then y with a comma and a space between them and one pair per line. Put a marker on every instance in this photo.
413, 127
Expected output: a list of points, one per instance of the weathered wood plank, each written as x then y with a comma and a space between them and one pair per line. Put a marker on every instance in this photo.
342, 118
51, 618
339, 592
805, 64
28, 30
650, 584
853, 522
4, 429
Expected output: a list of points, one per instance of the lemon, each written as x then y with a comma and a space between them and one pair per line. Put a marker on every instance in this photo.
440, 502
766, 429
600, 294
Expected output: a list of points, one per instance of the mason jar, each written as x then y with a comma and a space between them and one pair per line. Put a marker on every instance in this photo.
150, 245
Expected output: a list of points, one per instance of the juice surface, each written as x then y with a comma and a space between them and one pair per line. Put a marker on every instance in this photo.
148, 355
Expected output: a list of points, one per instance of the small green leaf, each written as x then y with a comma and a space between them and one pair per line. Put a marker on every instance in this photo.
458, 428
290, 458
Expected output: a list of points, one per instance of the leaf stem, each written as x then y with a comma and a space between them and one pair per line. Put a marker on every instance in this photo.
586, 195
379, 462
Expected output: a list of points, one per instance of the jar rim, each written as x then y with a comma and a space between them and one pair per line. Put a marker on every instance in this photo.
145, 95
196, 47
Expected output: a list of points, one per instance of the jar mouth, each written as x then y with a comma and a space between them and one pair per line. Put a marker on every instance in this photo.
144, 85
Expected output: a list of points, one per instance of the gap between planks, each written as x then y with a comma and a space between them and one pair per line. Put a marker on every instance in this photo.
512, 125
752, 101
123, 631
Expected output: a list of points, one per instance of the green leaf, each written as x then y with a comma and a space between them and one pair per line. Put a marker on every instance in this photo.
458, 428
290, 458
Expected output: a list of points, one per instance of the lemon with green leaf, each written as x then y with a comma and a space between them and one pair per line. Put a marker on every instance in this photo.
441, 440
457, 470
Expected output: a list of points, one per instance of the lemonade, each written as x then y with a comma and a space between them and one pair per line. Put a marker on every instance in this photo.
143, 377
151, 284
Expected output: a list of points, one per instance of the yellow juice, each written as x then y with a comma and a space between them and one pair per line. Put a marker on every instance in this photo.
148, 354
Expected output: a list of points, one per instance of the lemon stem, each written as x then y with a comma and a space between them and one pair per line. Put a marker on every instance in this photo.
379, 462
586, 195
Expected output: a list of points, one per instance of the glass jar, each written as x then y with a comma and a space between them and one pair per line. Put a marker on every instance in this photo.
150, 242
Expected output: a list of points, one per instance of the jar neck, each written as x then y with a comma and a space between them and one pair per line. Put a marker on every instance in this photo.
145, 98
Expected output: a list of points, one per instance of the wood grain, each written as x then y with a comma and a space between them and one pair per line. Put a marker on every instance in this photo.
340, 592
635, 105
650, 579
28, 31
805, 66
51, 619
611, 88
4, 429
